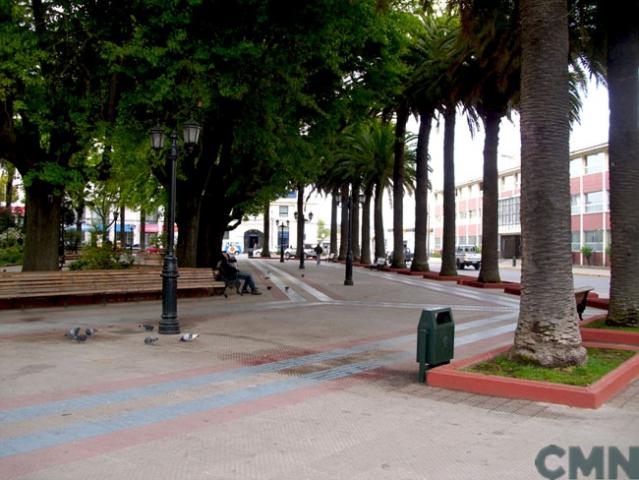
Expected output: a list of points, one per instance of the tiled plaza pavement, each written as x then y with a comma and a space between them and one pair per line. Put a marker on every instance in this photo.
313, 381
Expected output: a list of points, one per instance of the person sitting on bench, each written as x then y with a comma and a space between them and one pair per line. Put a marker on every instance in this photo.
228, 268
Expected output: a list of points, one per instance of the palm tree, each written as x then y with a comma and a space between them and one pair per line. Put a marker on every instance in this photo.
449, 266
547, 331
622, 60
431, 52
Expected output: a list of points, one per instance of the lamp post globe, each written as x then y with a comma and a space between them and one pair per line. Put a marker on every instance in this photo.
169, 322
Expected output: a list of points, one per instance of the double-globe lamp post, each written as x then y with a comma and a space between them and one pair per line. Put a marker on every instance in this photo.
300, 241
282, 224
191, 131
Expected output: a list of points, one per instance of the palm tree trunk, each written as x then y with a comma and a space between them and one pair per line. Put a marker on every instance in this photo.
266, 247
489, 230
366, 227
623, 152
547, 330
357, 252
420, 259
343, 234
450, 230
398, 188
334, 202
378, 220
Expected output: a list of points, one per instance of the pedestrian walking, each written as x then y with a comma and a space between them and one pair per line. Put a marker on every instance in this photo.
318, 251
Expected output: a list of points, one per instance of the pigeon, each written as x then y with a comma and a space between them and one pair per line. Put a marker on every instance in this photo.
151, 340
147, 326
73, 333
189, 337
90, 331
81, 338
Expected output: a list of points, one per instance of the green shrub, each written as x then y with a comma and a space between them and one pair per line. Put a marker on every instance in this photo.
586, 251
102, 258
11, 255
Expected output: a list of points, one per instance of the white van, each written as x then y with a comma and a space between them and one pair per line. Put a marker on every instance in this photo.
467, 255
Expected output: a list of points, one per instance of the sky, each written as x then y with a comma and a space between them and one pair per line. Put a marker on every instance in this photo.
592, 130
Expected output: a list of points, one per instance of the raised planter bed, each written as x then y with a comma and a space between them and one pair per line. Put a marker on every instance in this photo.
607, 335
593, 396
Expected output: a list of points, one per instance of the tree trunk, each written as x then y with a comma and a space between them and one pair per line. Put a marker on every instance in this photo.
623, 154
547, 331
11, 173
334, 202
398, 188
366, 227
142, 229
266, 247
79, 220
357, 252
420, 258
449, 266
122, 226
343, 234
489, 249
187, 218
42, 233
300, 224
378, 219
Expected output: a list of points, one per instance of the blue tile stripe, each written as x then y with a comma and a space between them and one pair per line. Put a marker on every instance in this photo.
83, 430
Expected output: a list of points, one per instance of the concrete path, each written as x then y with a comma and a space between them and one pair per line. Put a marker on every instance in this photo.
312, 380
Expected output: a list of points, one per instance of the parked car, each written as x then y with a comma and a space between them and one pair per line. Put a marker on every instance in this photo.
467, 255
309, 251
257, 252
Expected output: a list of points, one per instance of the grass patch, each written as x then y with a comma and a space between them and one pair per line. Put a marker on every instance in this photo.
601, 323
600, 362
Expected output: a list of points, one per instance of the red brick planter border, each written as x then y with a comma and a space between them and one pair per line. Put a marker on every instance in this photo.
607, 335
592, 396
469, 282
437, 276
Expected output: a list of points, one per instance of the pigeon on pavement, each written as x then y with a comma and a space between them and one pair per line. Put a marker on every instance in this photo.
74, 332
148, 327
189, 337
81, 338
90, 331
151, 340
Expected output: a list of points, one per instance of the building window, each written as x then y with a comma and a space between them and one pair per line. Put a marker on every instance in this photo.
594, 202
595, 163
508, 211
575, 242
576, 167
594, 239
283, 210
575, 204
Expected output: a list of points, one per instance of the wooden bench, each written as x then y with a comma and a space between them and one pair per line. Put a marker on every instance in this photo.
42, 289
581, 297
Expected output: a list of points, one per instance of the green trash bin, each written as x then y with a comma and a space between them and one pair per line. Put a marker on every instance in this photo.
435, 339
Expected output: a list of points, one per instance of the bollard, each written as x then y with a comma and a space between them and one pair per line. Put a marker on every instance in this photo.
514, 261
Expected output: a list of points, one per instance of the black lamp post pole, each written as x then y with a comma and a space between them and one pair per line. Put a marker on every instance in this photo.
169, 323
348, 280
